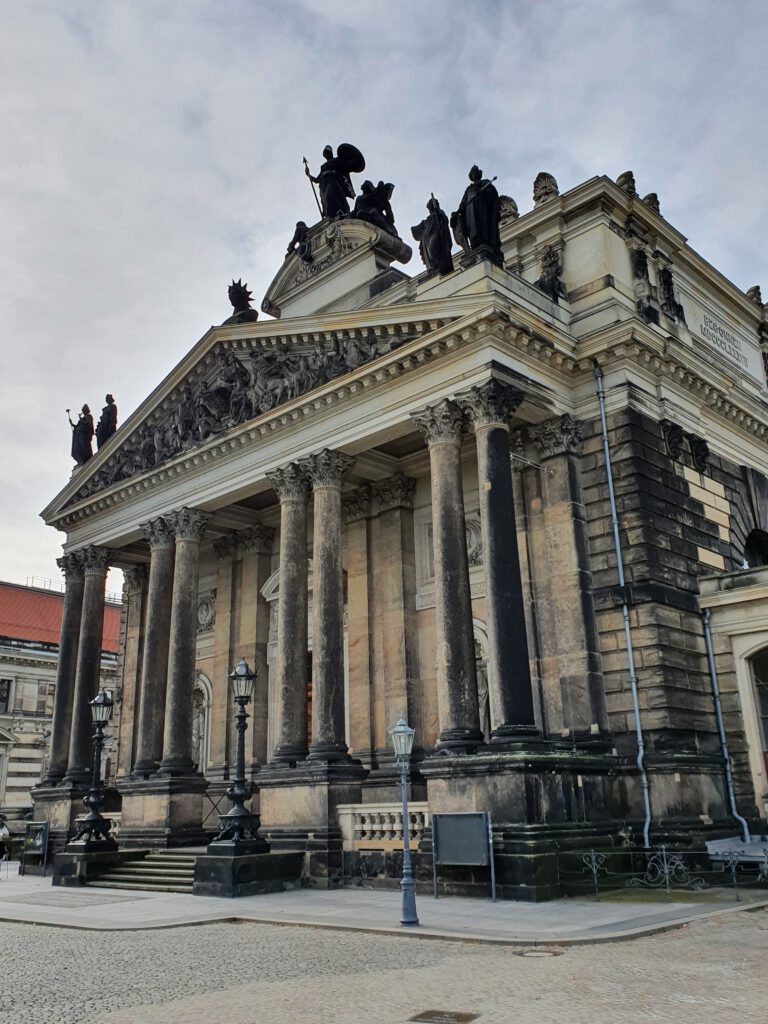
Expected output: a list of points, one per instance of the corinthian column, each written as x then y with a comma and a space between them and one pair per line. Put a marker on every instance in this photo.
292, 488
71, 566
442, 426
95, 564
188, 526
325, 469
489, 407
154, 671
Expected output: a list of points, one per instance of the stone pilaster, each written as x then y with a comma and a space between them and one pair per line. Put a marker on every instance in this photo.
95, 562
72, 567
489, 407
571, 622
325, 470
442, 425
134, 601
393, 620
188, 526
292, 488
154, 672
228, 584
256, 544
356, 508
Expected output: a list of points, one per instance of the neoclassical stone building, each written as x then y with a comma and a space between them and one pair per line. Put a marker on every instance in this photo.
392, 498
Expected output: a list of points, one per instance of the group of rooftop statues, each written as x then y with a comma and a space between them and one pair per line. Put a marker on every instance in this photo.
83, 431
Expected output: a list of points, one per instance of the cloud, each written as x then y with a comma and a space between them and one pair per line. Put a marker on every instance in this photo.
154, 151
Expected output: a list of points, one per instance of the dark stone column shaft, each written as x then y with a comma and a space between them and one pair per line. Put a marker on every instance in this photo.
292, 489
328, 732
66, 667
154, 670
188, 525
88, 664
443, 425
489, 407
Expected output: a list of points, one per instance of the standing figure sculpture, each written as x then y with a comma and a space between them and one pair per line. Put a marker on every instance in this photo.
434, 237
82, 436
107, 424
479, 214
333, 180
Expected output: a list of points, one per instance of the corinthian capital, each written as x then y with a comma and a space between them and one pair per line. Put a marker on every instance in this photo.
326, 468
157, 533
357, 505
135, 578
444, 421
395, 492
188, 523
491, 402
71, 565
257, 538
559, 436
95, 560
289, 482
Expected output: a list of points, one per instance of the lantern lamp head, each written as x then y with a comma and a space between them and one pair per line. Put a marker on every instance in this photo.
101, 706
241, 681
402, 740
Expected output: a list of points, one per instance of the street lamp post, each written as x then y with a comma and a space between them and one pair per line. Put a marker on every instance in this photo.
95, 827
402, 743
239, 823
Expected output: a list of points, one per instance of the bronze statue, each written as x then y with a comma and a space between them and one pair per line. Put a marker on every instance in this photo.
479, 214
333, 180
373, 205
300, 243
82, 436
240, 298
434, 238
107, 424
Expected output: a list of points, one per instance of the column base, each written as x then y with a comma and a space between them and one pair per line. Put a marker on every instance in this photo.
459, 741
513, 736
173, 767
288, 755
143, 770
163, 811
328, 752
77, 777
59, 805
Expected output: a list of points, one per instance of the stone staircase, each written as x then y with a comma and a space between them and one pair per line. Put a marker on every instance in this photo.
158, 871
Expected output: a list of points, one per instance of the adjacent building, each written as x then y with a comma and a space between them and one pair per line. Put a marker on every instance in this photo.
496, 502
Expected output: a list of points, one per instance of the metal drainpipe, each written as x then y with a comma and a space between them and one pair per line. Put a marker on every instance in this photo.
625, 612
745, 835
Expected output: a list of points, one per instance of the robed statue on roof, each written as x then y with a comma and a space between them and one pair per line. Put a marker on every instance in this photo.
333, 180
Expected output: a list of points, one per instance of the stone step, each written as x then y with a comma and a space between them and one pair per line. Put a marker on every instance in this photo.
153, 869
146, 886
139, 880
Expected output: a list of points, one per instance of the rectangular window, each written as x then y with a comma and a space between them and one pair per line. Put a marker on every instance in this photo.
42, 698
5, 695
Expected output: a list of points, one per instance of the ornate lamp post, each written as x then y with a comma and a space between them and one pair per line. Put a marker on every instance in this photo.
402, 743
239, 822
95, 828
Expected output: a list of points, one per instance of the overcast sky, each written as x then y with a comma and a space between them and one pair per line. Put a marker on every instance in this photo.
152, 151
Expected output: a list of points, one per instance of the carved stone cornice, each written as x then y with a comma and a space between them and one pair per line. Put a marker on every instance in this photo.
95, 560
188, 523
443, 422
135, 577
491, 402
559, 436
395, 492
357, 505
157, 533
289, 482
71, 566
326, 468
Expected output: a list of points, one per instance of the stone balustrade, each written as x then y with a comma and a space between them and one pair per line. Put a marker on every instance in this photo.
380, 826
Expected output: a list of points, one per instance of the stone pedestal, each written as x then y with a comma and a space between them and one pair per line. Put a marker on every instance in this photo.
246, 874
59, 806
299, 813
163, 811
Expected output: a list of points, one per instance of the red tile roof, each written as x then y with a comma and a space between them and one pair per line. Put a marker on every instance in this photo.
28, 613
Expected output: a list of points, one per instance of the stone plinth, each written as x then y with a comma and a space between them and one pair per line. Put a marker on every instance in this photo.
59, 806
163, 811
248, 875
299, 813
75, 868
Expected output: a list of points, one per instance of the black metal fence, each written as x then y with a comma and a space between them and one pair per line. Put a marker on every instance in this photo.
662, 869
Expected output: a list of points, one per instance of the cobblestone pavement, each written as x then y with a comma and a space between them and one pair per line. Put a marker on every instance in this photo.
709, 971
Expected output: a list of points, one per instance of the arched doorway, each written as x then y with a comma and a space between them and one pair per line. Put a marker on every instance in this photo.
759, 667
201, 715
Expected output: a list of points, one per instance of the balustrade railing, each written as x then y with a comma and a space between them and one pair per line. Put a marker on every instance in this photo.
380, 826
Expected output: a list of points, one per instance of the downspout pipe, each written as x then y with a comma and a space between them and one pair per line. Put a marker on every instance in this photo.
624, 611
745, 835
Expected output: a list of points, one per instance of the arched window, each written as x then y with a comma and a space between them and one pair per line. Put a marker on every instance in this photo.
760, 674
756, 549
201, 705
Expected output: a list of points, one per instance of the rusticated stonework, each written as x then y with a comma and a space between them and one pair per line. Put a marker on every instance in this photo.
559, 436
443, 422
492, 402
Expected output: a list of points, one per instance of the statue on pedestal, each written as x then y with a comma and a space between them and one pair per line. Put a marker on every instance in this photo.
240, 298
373, 205
434, 237
333, 180
300, 243
82, 436
107, 424
478, 216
